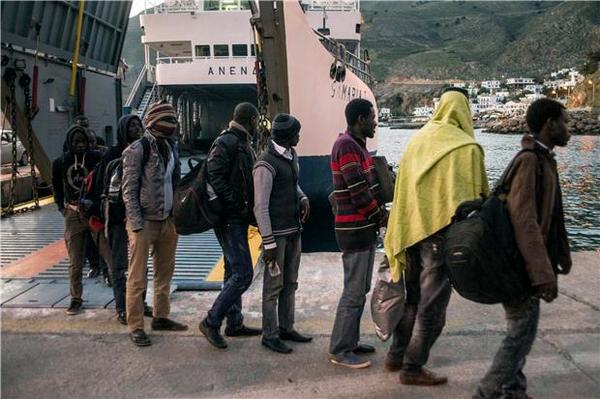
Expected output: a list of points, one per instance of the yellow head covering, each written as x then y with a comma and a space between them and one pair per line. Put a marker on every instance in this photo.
442, 167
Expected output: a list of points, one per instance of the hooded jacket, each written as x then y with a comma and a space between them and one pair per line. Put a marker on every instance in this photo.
144, 184
442, 167
69, 170
117, 214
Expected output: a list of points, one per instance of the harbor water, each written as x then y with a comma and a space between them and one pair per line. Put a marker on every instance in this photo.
578, 165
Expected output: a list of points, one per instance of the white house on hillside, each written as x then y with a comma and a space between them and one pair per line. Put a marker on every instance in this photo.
520, 82
423, 111
491, 84
534, 88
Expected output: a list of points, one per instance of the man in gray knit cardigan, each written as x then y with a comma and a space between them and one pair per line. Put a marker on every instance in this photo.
280, 208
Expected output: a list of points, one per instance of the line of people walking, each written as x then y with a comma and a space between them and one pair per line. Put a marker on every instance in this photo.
442, 167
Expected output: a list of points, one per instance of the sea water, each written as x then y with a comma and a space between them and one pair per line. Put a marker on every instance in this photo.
578, 166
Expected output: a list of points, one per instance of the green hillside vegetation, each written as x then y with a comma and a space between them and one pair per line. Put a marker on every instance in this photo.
477, 40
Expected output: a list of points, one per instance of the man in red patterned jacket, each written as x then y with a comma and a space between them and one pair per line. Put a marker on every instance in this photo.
359, 215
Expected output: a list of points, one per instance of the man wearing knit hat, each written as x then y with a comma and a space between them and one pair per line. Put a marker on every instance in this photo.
148, 195
280, 208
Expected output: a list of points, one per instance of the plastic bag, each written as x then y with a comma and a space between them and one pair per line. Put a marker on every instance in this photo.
387, 302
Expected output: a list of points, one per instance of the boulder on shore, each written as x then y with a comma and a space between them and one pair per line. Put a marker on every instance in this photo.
580, 123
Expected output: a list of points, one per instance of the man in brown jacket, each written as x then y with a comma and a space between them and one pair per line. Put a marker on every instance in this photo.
536, 212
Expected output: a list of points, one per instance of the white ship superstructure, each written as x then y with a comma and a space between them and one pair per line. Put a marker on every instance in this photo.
202, 55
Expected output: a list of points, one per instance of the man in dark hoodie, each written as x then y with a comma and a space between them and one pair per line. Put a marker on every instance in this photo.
68, 173
129, 129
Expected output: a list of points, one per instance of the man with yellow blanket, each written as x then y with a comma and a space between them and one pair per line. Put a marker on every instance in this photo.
442, 167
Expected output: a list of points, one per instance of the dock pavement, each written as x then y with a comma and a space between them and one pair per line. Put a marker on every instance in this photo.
47, 354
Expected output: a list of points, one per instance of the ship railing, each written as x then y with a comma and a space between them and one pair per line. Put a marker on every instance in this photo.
331, 5
187, 60
137, 91
152, 98
179, 6
360, 67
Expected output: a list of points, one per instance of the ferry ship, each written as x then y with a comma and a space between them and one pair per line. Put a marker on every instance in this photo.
202, 57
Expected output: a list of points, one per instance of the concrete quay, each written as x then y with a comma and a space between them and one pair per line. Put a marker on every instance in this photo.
47, 354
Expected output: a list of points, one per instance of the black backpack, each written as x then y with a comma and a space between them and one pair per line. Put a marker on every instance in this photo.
480, 252
195, 208
106, 192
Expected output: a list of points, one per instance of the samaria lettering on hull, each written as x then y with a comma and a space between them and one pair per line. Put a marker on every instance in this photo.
346, 92
231, 70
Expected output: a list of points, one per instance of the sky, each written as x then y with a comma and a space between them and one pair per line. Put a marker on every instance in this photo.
138, 5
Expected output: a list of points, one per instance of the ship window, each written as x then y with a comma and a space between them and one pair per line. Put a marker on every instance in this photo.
239, 50
221, 50
203, 50
211, 5
357, 28
253, 50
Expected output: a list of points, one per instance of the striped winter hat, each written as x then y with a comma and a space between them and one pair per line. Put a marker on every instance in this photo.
161, 119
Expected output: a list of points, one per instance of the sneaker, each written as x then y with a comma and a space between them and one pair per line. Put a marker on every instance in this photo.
293, 336
276, 345
167, 325
107, 281
148, 311
139, 338
349, 360
422, 377
391, 364
213, 335
242, 331
122, 318
75, 307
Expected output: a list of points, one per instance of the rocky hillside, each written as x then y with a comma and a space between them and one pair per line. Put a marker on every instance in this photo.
478, 40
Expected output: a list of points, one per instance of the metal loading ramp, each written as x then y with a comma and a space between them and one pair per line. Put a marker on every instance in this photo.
34, 263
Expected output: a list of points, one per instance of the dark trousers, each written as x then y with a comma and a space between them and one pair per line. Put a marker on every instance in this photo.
505, 378
94, 255
238, 275
118, 242
427, 295
77, 234
358, 271
279, 292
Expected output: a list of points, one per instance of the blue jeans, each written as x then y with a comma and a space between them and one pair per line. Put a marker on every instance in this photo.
505, 378
238, 275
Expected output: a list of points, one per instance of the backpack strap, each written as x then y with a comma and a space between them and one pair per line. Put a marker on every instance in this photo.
501, 186
146, 150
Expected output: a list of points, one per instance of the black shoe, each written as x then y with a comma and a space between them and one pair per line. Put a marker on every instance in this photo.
242, 331
293, 336
107, 282
94, 272
213, 335
75, 307
122, 318
139, 338
362, 349
167, 325
276, 345
148, 311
